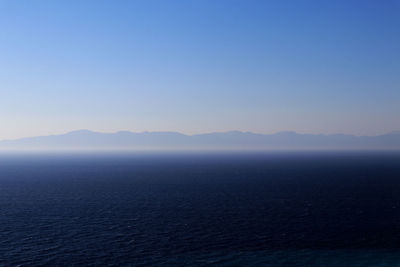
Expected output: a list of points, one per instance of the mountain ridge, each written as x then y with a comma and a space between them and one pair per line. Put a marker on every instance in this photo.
86, 139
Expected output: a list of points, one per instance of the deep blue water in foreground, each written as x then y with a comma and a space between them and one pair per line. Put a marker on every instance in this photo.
254, 209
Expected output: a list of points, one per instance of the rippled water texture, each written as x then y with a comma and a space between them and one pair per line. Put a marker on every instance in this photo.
197, 209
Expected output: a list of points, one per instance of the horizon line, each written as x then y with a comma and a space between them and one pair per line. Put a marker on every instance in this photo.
205, 133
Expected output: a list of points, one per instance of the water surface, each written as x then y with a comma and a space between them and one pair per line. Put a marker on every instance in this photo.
303, 208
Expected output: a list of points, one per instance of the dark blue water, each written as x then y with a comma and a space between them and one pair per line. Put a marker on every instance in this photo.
331, 208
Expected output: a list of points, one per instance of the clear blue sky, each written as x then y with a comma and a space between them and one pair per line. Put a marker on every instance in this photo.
198, 66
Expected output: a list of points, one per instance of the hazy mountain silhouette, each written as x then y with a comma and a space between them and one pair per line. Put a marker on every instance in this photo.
85, 139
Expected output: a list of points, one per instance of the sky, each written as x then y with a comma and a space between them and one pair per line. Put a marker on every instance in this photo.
196, 66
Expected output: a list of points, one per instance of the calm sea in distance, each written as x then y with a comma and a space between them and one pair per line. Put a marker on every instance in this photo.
198, 209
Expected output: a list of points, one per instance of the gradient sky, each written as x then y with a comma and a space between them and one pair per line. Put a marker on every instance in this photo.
199, 66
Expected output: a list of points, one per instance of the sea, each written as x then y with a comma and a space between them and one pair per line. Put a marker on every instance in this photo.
277, 208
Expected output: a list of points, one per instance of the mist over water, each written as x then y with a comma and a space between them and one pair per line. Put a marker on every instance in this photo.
309, 208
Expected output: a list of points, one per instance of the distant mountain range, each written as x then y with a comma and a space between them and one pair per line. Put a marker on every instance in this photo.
85, 139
